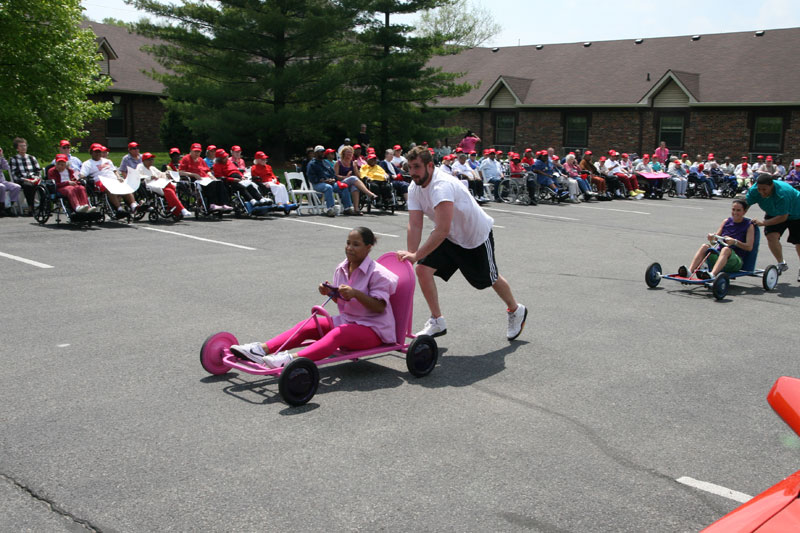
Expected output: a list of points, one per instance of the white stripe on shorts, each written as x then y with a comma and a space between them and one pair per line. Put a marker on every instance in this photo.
490, 256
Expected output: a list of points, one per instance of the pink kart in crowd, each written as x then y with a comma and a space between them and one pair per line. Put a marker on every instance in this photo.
777, 509
298, 381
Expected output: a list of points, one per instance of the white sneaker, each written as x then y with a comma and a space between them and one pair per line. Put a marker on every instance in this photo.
186, 213
93, 209
516, 321
278, 359
782, 267
252, 351
253, 201
434, 327
82, 209
264, 200
331, 212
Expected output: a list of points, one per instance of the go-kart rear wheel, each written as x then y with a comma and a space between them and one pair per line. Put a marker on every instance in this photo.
769, 279
211, 353
422, 355
720, 286
652, 276
299, 381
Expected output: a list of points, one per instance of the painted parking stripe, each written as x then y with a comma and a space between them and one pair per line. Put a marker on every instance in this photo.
348, 228
198, 238
719, 490
658, 204
527, 213
26, 261
610, 209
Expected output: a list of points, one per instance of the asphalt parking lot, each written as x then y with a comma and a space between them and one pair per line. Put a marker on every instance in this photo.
612, 393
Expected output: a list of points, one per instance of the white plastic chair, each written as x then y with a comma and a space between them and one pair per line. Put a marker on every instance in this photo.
298, 187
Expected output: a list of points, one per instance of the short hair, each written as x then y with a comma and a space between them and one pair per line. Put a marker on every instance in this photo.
366, 235
17, 141
420, 152
389, 151
764, 179
742, 203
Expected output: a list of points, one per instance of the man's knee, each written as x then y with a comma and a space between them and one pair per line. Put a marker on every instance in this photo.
424, 271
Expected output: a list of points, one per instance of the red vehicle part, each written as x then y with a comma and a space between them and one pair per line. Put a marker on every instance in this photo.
777, 509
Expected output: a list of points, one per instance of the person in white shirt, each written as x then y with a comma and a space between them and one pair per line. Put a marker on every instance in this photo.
463, 171
492, 172
461, 240
150, 174
64, 148
398, 160
98, 166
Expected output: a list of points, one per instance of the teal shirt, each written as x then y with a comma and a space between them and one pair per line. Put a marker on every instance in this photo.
785, 200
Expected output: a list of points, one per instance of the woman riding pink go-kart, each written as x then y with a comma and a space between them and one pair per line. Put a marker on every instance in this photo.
375, 301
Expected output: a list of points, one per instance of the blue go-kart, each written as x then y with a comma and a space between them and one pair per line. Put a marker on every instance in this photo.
719, 285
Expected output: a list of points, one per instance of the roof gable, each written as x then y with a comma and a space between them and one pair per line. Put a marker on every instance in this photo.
680, 80
518, 87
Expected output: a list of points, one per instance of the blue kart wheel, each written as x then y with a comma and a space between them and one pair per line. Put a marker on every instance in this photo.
652, 276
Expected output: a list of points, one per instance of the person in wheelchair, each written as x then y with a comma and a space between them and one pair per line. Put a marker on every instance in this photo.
9, 187
399, 184
377, 179
793, 177
266, 181
195, 168
224, 169
362, 288
469, 177
68, 186
737, 233
544, 175
150, 173
98, 166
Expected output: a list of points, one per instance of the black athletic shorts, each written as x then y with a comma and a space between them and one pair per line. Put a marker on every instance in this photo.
792, 225
476, 264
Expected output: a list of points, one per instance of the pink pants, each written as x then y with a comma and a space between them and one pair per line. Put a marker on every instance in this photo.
75, 194
350, 336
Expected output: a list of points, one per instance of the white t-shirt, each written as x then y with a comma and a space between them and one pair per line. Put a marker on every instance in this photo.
95, 169
470, 226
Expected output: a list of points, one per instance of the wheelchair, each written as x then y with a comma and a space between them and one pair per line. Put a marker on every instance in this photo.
386, 199
514, 190
100, 199
199, 205
49, 202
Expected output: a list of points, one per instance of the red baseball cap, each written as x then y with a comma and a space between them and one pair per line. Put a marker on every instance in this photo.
760, 157
196, 146
95, 147
710, 156
220, 152
431, 150
148, 155
769, 158
587, 152
555, 157
602, 158
458, 150
64, 143
797, 164
528, 150
492, 151
260, 155
700, 167
236, 148
684, 155
174, 151
646, 156
356, 147
398, 147
330, 151
625, 156
473, 152
744, 158
211, 147
132, 145
103, 148
611, 152
499, 152
62, 157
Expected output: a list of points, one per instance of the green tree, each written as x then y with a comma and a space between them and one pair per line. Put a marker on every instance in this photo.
260, 73
462, 25
392, 83
49, 69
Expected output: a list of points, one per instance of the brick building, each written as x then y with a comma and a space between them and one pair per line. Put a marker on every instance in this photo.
136, 98
732, 94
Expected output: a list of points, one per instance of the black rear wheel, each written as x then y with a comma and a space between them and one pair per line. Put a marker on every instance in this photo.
421, 356
299, 381
652, 276
41, 211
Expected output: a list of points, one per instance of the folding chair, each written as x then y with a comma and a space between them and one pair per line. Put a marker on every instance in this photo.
298, 187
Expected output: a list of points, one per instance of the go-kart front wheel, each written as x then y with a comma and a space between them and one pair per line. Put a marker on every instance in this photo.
299, 381
769, 279
421, 356
212, 351
652, 276
720, 286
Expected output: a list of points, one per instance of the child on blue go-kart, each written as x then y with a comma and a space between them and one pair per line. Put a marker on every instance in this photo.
737, 234
361, 288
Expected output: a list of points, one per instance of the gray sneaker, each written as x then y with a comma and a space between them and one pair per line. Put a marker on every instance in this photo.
278, 359
782, 267
331, 212
434, 327
516, 321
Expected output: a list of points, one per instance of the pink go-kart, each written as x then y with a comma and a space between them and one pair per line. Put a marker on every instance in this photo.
298, 381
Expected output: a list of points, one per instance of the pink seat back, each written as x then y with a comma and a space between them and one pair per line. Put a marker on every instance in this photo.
403, 298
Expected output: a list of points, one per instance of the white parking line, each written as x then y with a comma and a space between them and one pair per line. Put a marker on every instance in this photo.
335, 226
719, 490
658, 204
198, 238
610, 209
527, 213
27, 261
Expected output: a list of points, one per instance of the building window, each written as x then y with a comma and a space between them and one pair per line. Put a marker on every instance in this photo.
576, 131
505, 129
115, 124
768, 134
670, 130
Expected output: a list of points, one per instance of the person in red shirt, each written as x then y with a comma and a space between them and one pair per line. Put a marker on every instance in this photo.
236, 157
261, 173
515, 166
195, 168
225, 169
68, 186
528, 159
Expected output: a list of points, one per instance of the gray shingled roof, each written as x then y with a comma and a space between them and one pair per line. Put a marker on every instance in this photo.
127, 71
726, 68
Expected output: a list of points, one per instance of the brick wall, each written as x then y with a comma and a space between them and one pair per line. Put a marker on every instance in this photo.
723, 131
143, 115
